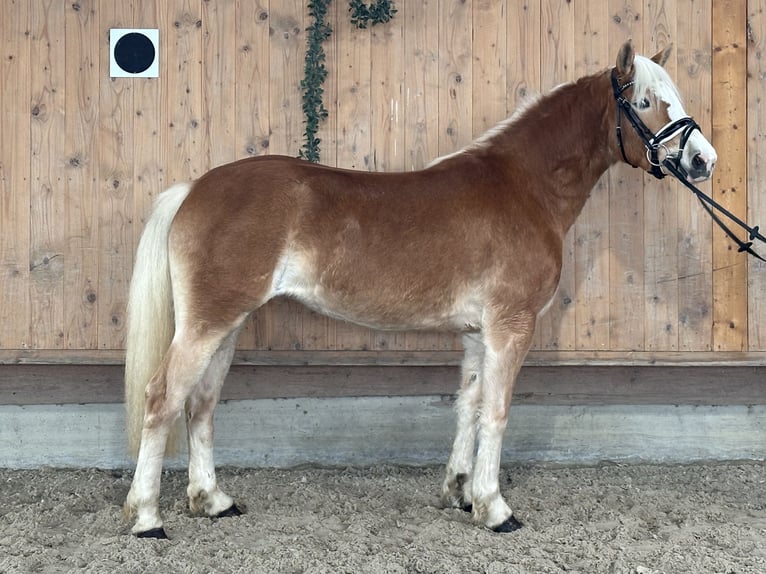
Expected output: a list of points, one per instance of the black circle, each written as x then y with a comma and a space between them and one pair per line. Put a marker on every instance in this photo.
134, 53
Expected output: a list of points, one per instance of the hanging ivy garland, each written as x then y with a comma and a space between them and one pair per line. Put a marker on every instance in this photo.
315, 71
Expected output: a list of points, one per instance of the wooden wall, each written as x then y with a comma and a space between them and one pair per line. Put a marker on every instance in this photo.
82, 157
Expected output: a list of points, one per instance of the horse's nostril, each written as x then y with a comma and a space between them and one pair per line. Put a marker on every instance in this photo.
698, 162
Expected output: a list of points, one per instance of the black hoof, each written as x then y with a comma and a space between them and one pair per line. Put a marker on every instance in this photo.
156, 533
467, 508
510, 525
233, 510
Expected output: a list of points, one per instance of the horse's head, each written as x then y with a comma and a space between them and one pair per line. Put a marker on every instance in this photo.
661, 130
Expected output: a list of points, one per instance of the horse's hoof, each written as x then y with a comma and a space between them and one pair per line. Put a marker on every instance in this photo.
467, 508
510, 525
156, 533
233, 510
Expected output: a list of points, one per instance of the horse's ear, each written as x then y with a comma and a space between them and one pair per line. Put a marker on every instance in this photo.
625, 59
662, 56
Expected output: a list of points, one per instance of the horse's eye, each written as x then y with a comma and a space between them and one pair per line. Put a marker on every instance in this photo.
642, 104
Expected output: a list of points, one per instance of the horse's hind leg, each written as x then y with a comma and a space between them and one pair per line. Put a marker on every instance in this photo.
204, 494
456, 490
182, 368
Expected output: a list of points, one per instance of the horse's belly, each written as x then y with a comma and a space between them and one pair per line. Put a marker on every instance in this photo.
378, 304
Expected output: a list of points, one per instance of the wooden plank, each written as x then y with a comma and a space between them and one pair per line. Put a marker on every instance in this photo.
584, 385
421, 73
81, 289
421, 113
353, 110
47, 137
523, 52
591, 230
523, 60
756, 165
182, 133
15, 166
218, 86
115, 193
489, 71
455, 116
149, 157
252, 108
557, 65
730, 178
408, 358
455, 69
695, 289
318, 331
284, 318
626, 210
661, 209
387, 134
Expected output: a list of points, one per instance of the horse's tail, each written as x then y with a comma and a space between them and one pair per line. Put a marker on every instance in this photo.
150, 312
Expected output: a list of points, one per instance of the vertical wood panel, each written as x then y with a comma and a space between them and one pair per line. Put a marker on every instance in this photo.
661, 213
386, 79
115, 185
149, 157
81, 288
523, 52
557, 326
354, 140
694, 239
730, 179
626, 209
284, 319
15, 184
318, 330
421, 111
218, 85
47, 241
185, 156
591, 230
253, 65
421, 72
756, 159
489, 65
455, 106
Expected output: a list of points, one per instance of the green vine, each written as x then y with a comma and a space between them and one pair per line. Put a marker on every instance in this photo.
378, 13
315, 72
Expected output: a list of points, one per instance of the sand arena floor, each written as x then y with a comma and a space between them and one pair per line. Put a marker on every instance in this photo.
610, 518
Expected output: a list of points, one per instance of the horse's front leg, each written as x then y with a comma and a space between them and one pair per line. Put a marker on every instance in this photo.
456, 490
506, 346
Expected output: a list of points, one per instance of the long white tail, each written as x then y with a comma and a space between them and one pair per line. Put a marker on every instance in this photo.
150, 310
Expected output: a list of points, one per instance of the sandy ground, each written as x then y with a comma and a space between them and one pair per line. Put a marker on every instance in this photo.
610, 518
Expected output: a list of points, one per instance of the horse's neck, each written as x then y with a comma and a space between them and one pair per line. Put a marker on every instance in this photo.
568, 141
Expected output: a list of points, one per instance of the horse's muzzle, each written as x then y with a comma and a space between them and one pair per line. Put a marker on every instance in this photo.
701, 167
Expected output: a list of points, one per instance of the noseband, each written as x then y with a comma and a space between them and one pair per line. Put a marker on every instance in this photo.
654, 143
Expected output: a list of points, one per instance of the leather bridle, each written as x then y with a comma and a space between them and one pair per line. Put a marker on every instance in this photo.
655, 145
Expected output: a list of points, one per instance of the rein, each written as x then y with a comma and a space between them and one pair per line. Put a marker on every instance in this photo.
654, 143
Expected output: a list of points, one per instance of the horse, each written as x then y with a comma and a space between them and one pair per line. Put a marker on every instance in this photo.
472, 244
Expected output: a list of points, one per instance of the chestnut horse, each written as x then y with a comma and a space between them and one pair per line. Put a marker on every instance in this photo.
472, 243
